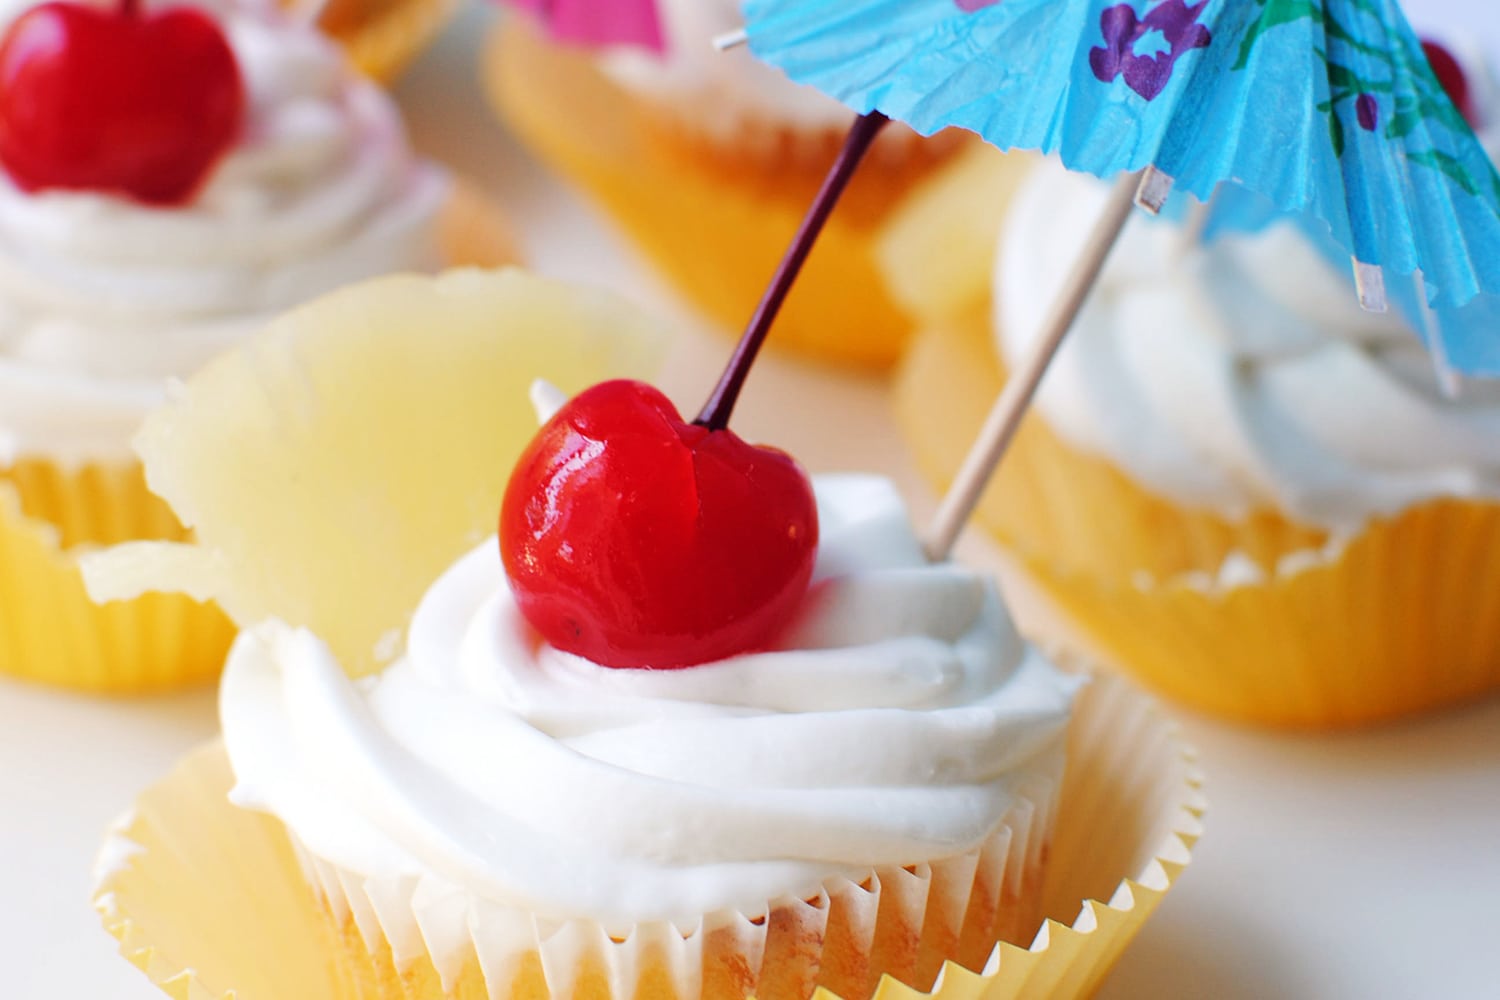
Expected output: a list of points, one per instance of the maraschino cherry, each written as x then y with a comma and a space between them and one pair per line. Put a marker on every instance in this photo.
1451, 75
636, 539
117, 100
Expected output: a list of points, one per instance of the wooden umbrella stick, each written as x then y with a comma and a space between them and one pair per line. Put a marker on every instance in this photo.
1005, 417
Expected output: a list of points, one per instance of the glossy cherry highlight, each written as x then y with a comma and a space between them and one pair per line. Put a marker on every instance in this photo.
116, 100
634, 538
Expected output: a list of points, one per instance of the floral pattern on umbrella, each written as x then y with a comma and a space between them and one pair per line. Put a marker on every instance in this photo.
1390, 83
1147, 73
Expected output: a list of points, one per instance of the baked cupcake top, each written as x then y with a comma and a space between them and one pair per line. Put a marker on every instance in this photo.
103, 298
722, 94
891, 726
1241, 375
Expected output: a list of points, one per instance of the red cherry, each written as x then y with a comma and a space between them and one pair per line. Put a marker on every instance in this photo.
111, 100
1451, 75
636, 539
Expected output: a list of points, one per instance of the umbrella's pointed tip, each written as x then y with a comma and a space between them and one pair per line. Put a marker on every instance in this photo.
1369, 283
1154, 189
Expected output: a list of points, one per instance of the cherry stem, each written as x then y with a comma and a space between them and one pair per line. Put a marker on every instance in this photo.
715, 413
130, 8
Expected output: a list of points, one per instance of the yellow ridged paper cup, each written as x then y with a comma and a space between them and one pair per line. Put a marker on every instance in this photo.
901, 921
211, 901
50, 632
51, 516
1260, 620
716, 218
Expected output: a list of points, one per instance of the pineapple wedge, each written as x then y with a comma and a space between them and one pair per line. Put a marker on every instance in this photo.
937, 249
337, 462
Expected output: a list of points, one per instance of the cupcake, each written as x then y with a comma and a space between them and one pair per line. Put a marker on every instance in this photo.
881, 791
317, 188
1248, 493
708, 161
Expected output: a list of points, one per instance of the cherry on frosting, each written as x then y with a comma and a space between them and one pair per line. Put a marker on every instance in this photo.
117, 100
1451, 75
636, 539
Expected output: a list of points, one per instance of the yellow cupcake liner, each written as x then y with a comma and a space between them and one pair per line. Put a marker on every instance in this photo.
714, 220
381, 37
211, 901
1261, 620
900, 921
1401, 619
50, 632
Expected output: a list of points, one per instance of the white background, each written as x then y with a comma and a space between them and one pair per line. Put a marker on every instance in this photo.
1348, 866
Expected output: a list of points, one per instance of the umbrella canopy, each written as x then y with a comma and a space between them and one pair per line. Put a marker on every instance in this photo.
599, 22
1322, 109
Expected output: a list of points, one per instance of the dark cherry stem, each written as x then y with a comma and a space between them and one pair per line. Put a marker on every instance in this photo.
715, 413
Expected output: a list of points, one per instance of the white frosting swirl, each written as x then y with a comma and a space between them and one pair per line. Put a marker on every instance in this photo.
892, 727
723, 94
102, 299
1237, 376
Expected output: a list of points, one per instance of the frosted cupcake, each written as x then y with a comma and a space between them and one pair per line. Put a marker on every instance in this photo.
721, 830
878, 792
708, 160
104, 299
1249, 493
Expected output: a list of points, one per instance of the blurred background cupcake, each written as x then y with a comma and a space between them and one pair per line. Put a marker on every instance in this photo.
708, 160
116, 277
1249, 493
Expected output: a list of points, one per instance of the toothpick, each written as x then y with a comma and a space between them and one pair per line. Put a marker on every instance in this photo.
1000, 427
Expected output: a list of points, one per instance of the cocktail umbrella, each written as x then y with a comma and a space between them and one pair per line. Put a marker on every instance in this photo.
599, 22
1325, 110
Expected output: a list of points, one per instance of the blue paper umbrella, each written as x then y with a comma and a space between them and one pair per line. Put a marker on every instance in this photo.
1323, 110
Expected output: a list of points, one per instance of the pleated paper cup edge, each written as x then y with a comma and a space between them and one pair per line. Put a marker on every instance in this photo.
1170, 857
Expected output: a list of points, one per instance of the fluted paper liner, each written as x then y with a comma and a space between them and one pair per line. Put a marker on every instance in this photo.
1262, 620
715, 219
841, 940
51, 516
212, 901
50, 631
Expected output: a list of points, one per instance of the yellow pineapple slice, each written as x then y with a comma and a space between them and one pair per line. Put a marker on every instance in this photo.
337, 462
937, 249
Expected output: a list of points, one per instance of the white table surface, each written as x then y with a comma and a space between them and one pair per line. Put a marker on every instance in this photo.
1349, 866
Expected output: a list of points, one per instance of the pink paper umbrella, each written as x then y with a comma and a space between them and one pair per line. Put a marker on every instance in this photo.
599, 22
